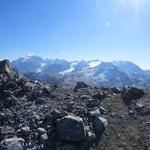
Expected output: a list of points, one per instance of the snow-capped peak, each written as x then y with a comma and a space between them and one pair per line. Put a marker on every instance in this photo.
27, 57
94, 63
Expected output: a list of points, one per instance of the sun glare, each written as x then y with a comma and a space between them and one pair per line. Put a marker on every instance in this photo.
135, 4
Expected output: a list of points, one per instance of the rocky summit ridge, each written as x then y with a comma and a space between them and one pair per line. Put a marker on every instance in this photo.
36, 116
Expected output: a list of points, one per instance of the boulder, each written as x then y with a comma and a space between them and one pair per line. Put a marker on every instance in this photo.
41, 131
71, 128
47, 92
43, 138
24, 132
95, 113
5, 67
25, 129
132, 93
99, 125
80, 85
14, 143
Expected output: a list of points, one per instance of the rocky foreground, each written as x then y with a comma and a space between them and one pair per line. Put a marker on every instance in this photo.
35, 116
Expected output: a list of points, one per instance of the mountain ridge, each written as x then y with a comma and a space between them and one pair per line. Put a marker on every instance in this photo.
95, 72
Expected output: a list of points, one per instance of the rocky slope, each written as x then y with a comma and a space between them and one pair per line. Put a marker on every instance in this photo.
35, 116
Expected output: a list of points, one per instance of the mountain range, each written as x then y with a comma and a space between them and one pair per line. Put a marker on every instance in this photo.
94, 72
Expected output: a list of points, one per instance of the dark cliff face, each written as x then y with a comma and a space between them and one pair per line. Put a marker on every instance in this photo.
37, 116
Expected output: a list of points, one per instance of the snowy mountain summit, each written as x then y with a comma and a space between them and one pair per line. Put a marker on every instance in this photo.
96, 72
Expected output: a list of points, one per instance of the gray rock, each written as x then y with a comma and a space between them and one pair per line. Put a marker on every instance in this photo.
99, 125
115, 90
40, 101
68, 147
14, 143
100, 95
71, 128
102, 110
146, 111
32, 146
41, 131
139, 107
23, 132
95, 113
44, 138
48, 122
25, 129
56, 114
80, 85
119, 115
6, 131
91, 136
132, 93
10, 101
5, 67
3, 118
93, 103
47, 92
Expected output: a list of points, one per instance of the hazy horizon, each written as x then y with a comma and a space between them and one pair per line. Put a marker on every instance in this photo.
76, 30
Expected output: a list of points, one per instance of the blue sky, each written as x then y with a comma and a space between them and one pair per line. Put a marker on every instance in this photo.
76, 29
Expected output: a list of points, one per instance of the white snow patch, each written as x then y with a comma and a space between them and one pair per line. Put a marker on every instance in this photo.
72, 67
93, 64
43, 64
102, 77
27, 57
67, 71
39, 70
